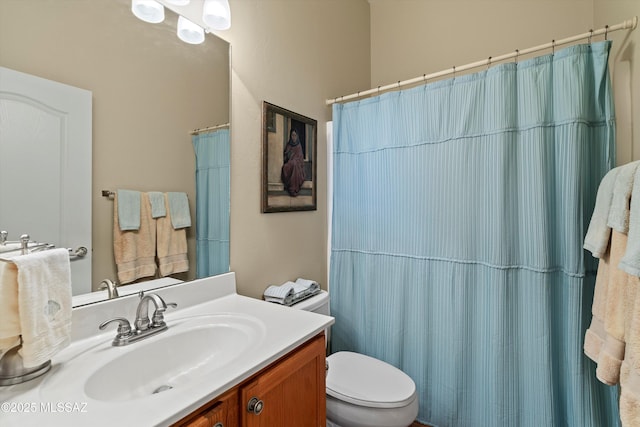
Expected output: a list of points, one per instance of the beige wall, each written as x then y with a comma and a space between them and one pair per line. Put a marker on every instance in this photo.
294, 54
625, 72
149, 90
410, 38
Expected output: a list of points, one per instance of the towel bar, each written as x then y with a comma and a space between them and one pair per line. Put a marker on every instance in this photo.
27, 246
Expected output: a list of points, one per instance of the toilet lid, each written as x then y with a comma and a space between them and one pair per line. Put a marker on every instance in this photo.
365, 381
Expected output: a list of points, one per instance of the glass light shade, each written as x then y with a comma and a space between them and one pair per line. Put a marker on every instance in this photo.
189, 32
148, 10
178, 2
217, 14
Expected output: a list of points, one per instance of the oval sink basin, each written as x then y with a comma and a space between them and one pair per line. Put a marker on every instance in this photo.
188, 351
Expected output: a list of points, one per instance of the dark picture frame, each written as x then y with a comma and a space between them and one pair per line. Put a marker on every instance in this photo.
289, 150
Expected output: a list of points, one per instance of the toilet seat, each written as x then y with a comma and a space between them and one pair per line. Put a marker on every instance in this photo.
364, 381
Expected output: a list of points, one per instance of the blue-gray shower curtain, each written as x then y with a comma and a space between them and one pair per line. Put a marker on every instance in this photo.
212, 202
459, 212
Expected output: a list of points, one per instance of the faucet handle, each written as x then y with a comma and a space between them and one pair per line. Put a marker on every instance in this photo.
124, 327
158, 315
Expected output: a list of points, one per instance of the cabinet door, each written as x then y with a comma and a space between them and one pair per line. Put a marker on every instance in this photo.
220, 413
290, 393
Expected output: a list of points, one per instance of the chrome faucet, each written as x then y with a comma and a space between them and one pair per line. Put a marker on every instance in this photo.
142, 313
143, 327
111, 287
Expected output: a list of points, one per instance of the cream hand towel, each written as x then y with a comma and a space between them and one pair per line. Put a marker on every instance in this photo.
9, 312
128, 209
599, 233
44, 300
613, 349
596, 335
619, 211
134, 251
172, 246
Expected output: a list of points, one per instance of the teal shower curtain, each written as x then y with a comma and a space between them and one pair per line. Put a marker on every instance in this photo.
459, 212
212, 202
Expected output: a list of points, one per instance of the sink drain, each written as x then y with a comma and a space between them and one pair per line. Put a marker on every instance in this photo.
161, 389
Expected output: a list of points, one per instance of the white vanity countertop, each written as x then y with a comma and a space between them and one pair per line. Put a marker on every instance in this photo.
41, 402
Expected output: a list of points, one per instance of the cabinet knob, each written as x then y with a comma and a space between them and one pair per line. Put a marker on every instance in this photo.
255, 406
218, 425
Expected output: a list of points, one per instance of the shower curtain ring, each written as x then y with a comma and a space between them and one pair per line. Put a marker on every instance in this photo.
590, 35
454, 71
606, 32
517, 54
488, 63
553, 47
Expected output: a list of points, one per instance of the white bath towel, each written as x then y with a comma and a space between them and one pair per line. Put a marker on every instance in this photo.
128, 209
599, 233
282, 294
135, 250
631, 260
179, 208
619, 211
172, 246
44, 301
158, 207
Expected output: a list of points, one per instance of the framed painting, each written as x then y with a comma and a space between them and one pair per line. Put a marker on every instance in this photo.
289, 149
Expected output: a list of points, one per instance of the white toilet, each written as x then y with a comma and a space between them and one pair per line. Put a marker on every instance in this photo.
363, 391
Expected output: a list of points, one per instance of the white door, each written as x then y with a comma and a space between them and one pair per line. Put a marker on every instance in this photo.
45, 165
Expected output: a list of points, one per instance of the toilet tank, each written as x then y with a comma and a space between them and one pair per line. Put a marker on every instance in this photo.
318, 304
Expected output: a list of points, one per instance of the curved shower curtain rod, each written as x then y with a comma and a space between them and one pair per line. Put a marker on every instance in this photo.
628, 24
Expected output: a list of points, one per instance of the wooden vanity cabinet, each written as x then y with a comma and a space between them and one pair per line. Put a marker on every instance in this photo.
221, 412
289, 392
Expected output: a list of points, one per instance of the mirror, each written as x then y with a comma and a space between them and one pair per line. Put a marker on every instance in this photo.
149, 90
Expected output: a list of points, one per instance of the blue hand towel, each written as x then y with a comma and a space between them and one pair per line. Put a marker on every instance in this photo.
179, 210
630, 262
598, 234
128, 209
619, 212
158, 208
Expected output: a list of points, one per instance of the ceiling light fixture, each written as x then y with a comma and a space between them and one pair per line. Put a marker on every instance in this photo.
217, 14
189, 32
148, 10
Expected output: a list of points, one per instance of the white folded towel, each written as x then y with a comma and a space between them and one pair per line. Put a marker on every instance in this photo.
282, 294
630, 262
44, 301
306, 286
597, 239
128, 209
619, 211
